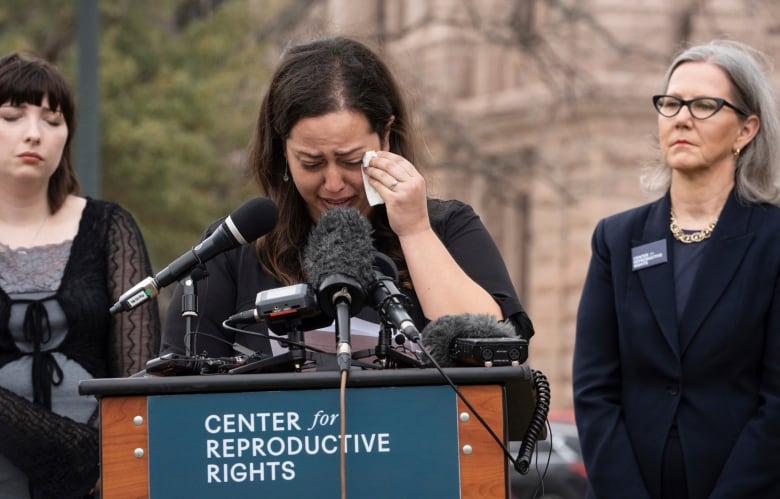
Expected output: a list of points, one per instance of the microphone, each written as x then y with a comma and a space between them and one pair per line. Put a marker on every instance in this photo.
384, 296
473, 339
338, 261
251, 220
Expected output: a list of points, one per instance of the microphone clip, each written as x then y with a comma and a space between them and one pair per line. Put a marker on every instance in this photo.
340, 288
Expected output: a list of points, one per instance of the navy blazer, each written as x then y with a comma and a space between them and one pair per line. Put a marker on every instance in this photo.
716, 371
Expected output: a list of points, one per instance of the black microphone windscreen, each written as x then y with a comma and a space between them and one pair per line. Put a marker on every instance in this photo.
340, 243
439, 334
256, 217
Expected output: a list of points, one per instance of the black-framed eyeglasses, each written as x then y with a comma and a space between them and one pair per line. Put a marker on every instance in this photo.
700, 108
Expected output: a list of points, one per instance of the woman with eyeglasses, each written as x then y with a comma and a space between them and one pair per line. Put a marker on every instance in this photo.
677, 356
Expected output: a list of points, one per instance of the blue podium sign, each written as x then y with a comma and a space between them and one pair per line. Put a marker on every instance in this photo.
400, 443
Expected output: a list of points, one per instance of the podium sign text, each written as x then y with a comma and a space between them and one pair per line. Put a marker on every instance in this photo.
401, 442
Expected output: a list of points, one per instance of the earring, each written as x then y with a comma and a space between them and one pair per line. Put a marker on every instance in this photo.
286, 177
736, 152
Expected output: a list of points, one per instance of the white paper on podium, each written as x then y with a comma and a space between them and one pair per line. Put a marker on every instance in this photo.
363, 335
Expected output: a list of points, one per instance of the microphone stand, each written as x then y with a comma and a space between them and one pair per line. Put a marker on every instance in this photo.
387, 356
189, 307
189, 310
342, 300
341, 296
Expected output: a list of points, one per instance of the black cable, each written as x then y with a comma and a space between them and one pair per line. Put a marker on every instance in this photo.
283, 341
538, 419
542, 473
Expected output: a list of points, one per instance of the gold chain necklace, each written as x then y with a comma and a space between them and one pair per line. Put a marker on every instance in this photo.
695, 237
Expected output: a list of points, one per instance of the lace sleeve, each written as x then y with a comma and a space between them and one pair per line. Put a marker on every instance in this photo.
59, 455
136, 334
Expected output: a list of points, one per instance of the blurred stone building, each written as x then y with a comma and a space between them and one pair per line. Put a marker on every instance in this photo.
538, 113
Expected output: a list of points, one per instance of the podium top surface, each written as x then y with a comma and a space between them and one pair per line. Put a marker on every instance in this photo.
516, 377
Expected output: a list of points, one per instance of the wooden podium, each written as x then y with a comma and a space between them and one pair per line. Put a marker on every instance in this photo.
192, 436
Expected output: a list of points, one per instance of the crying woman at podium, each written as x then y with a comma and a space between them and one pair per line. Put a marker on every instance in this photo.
333, 131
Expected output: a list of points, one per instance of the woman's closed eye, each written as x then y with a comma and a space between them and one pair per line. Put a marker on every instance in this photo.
352, 164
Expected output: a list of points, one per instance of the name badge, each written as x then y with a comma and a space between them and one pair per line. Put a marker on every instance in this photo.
648, 255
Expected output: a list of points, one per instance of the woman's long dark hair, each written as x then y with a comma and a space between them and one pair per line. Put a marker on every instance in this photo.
314, 79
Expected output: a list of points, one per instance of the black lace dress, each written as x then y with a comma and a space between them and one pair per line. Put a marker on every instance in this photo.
55, 330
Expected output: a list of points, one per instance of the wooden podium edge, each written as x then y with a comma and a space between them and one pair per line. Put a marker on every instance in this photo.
124, 453
483, 466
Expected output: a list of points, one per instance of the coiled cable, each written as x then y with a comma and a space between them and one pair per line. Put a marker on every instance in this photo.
538, 418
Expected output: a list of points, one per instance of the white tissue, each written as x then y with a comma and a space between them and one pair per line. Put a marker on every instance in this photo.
371, 194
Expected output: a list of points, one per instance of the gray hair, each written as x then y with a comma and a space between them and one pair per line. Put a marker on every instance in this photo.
756, 177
